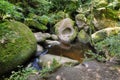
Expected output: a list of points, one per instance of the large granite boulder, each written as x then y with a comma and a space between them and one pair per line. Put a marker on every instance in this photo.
17, 45
65, 30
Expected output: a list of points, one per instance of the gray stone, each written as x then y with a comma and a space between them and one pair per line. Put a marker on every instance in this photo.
52, 43
65, 30
39, 48
93, 71
40, 37
61, 60
54, 37
47, 35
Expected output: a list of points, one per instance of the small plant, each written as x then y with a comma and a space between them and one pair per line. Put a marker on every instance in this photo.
22, 74
91, 56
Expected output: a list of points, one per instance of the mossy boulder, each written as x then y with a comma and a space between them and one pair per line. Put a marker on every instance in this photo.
17, 45
102, 34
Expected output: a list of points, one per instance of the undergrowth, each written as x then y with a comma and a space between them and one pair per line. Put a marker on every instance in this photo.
24, 73
107, 49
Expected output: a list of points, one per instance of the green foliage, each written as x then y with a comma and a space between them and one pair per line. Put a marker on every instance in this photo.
107, 49
64, 5
9, 10
91, 56
39, 7
55, 17
35, 24
22, 74
110, 45
44, 19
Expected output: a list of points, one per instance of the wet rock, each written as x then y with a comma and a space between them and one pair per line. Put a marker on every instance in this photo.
83, 37
102, 34
65, 30
39, 48
54, 37
17, 45
47, 35
40, 37
61, 60
52, 43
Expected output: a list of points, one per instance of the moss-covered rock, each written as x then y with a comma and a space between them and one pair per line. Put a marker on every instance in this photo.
104, 23
17, 45
83, 37
102, 34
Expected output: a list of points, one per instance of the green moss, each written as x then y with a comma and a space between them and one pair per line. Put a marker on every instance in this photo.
15, 49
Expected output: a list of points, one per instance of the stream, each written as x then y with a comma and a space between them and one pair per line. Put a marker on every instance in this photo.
74, 51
